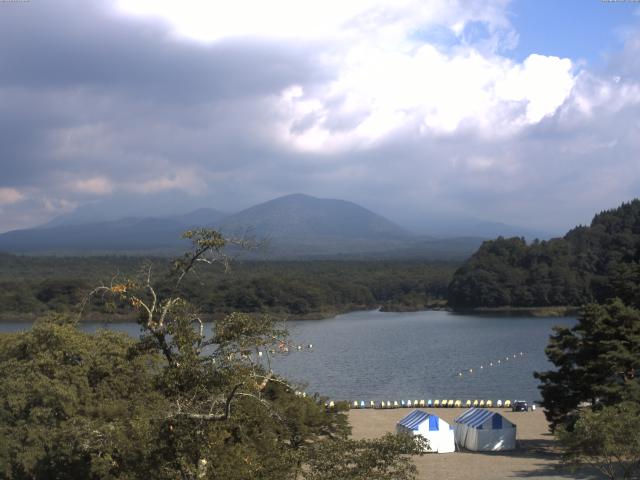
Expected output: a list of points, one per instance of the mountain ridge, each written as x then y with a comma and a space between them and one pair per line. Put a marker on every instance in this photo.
297, 225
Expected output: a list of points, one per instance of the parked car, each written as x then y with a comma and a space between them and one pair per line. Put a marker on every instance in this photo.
520, 406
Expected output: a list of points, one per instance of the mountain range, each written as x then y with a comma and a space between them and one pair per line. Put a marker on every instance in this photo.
295, 226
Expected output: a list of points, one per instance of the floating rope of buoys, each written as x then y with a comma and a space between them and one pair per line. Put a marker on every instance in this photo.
491, 364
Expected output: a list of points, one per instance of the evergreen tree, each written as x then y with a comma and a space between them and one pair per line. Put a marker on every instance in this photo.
598, 362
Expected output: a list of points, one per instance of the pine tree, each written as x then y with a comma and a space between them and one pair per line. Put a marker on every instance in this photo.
598, 362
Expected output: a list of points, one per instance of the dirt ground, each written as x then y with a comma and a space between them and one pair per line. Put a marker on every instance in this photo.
535, 457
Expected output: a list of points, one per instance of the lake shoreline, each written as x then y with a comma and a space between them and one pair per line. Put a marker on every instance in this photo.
551, 311
556, 311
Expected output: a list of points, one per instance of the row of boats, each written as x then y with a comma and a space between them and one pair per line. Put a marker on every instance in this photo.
427, 404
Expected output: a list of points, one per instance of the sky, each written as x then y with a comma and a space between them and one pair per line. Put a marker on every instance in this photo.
525, 112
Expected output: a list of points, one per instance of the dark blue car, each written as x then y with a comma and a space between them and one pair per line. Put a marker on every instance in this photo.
520, 406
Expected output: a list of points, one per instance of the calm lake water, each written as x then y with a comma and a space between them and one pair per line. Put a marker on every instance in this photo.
392, 356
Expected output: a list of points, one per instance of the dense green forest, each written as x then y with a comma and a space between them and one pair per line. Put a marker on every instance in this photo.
178, 402
310, 289
590, 263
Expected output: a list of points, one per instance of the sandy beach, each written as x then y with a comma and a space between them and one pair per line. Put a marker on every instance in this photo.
536, 456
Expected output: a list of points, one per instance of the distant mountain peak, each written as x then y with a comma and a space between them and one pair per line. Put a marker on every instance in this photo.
296, 196
303, 217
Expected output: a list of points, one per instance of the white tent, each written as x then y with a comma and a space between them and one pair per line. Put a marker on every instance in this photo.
438, 432
482, 430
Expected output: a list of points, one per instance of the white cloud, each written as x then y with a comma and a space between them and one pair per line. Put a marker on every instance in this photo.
600, 94
426, 90
543, 82
212, 21
386, 73
58, 205
9, 196
95, 186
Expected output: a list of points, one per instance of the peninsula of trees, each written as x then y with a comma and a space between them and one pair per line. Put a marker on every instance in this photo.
590, 263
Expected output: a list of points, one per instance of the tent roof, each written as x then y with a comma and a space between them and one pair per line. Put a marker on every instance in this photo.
476, 417
417, 417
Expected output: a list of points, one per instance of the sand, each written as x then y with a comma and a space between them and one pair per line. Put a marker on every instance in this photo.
536, 456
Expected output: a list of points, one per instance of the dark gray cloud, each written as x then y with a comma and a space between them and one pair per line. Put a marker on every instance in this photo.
85, 91
69, 44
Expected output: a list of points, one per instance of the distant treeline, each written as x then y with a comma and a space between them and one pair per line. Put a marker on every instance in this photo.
589, 263
35, 285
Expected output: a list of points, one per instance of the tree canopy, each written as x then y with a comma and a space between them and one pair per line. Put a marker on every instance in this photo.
188, 400
591, 263
597, 361
606, 439
31, 286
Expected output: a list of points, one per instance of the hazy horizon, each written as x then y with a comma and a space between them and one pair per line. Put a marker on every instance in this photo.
523, 113
436, 225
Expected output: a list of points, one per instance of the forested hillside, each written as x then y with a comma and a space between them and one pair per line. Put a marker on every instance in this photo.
588, 263
34, 285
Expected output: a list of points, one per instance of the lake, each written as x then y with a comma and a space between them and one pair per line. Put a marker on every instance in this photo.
377, 356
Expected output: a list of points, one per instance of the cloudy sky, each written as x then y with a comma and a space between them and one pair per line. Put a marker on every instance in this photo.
525, 111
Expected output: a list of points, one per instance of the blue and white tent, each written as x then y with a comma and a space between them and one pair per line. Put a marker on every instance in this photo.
438, 432
482, 430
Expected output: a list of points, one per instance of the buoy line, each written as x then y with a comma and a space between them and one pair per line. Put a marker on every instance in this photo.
491, 364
